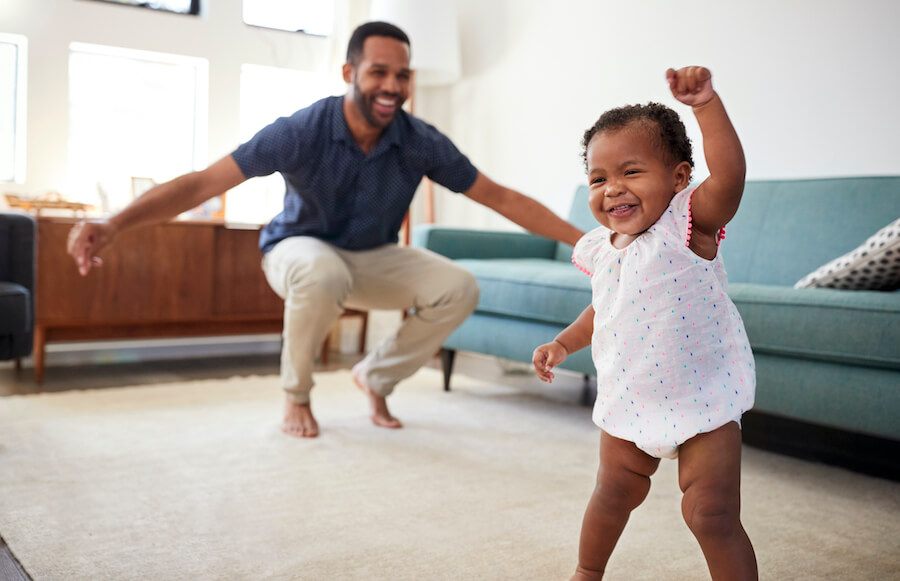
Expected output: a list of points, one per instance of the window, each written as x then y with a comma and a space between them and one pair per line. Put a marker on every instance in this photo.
180, 6
310, 16
266, 94
12, 107
133, 114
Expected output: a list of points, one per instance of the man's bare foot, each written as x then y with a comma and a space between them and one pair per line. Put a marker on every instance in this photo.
380, 415
298, 420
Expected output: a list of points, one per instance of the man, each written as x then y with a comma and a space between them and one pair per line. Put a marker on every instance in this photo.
351, 166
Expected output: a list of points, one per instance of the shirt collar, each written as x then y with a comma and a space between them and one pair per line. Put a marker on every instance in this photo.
340, 131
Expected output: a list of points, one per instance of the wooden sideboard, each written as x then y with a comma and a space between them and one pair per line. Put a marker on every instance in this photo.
172, 280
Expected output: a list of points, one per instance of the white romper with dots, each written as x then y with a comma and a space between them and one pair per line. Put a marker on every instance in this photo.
670, 349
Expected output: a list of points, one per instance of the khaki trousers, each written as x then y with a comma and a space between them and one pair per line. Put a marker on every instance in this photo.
317, 280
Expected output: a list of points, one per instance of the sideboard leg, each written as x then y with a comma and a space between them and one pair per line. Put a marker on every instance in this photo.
40, 342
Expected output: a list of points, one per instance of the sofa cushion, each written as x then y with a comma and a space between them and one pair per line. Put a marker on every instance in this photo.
873, 265
528, 288
514, 339
15, 309
824, 324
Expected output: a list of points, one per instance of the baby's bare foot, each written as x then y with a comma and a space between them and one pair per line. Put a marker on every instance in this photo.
582, 574
299, 420
380, 415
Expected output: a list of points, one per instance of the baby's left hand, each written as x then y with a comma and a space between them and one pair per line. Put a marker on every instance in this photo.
691, 85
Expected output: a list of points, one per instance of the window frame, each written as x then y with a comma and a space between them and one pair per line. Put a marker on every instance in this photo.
308, 32
201, 86
200, 105
20, 116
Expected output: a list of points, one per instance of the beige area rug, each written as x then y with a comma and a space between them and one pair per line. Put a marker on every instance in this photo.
195, 481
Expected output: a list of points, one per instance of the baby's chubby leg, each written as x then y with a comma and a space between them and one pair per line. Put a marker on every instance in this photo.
709, 474
623, 482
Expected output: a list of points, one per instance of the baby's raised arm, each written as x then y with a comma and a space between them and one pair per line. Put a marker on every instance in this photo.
716, 200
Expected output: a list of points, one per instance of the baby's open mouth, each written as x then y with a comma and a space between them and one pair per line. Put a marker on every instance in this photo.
622, 210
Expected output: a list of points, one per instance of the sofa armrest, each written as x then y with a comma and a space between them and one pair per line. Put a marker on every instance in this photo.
17, 249
17, 284
457, 243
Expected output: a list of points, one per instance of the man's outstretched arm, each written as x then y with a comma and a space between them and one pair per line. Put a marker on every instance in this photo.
524, 211
157, 205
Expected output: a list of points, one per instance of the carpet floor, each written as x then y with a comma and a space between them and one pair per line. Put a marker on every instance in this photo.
195, 481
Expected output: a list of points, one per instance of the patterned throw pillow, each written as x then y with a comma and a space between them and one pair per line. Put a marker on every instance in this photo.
875, 265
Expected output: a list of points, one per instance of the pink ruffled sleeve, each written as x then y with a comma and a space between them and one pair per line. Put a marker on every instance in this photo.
585, 252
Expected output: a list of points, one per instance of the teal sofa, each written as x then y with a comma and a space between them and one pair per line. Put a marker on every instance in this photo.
826, 359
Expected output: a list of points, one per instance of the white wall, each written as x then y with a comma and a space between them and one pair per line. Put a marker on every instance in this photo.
811, 85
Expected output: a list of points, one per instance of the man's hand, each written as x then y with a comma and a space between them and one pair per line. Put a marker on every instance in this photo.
691, 85
86, 238
546, 357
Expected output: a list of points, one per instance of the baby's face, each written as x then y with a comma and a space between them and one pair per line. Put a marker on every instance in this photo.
631, 184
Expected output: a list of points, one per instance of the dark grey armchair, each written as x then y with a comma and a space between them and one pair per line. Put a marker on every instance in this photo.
18, 235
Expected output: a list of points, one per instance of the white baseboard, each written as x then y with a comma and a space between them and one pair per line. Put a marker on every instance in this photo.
135, 351
381, 324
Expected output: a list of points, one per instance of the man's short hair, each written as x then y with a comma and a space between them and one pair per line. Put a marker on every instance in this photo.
364, 31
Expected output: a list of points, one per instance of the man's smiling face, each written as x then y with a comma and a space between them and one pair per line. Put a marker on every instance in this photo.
381, 80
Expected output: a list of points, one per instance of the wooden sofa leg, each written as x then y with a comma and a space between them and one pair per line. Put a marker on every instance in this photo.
447, 357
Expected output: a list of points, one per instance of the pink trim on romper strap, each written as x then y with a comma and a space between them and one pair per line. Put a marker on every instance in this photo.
719, 237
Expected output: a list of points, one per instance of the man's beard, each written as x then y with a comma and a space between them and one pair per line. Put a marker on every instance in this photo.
366, 106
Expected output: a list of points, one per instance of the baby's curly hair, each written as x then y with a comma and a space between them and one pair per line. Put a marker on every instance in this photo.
663, 125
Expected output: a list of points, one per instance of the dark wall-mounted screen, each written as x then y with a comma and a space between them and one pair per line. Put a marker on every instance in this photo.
179, 6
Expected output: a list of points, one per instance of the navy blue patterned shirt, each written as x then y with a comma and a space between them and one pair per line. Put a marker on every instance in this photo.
337, 193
